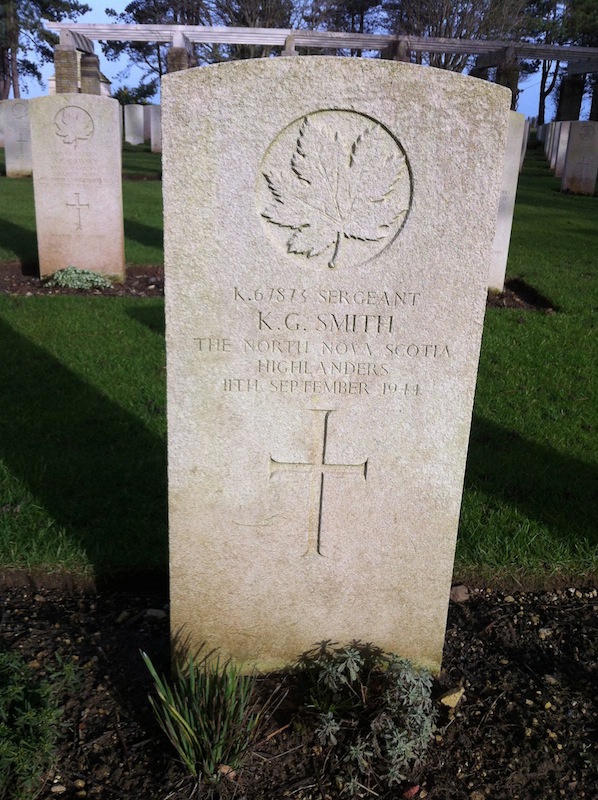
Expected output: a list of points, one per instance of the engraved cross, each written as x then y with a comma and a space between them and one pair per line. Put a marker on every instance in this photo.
21, 140
78, 205
318, 468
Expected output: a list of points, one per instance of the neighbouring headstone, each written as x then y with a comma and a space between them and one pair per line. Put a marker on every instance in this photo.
17, 138
156, 130
504, 223
1, 125
554, 144
328, 231
581, 161
561, 149
134, 115
77, 183
147, 122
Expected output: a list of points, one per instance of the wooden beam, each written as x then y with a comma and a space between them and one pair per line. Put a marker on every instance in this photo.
323, 39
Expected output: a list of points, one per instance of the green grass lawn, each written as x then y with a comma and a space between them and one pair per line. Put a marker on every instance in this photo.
82, 413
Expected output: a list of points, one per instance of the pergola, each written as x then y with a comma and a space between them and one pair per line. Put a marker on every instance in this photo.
505, 55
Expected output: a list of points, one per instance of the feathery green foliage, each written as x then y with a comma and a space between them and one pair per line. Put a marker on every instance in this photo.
374, 714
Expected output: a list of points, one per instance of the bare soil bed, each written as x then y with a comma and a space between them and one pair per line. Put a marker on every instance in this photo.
524, 728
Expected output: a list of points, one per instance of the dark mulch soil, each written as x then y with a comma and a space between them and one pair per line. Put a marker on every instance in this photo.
524, 728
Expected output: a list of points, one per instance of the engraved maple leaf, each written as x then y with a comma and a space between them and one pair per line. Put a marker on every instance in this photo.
73, 125
334, 191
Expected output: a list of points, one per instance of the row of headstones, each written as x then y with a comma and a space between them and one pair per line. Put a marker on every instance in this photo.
136, 124
571, 149
143, 123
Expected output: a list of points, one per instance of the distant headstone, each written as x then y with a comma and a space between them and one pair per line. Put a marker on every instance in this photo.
1, 125
134, 115
147, 122
156, 129
524, 142
554, 144
561, 149
581, 161
77, 183
510, 177
17, 138
327, 267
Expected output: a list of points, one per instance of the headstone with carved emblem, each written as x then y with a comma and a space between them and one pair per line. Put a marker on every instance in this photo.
77, 183
17, 138
581, 161
328, 231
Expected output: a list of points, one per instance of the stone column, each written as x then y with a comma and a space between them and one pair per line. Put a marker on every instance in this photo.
90, 74
66, 64
177, 59
507, 73
570, 97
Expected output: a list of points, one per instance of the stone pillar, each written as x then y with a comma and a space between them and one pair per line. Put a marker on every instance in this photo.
507, 73
177, 59
66, 64
570, 97
594, 106
397, 51
90, 74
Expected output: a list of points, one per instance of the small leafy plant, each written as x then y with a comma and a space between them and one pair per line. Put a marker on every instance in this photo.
374, 714
74, 278
207, 713
30, 715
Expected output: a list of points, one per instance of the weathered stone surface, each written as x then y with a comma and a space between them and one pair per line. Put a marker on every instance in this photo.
17, 138
581, 161
134, 123
327, 264
510, 177
77, 183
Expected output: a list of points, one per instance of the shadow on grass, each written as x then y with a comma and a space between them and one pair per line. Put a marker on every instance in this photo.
150, 316
94, 467
23, 243
556, 491
143, 234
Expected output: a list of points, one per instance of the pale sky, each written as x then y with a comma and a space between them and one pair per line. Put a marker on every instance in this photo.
528, 98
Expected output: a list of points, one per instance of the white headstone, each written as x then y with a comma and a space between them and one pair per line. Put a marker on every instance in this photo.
156, 130
134, 123
328, 230
17, 138
1, 125
524, 142
510, 177
147, 122
581, 162
554, 144
561, 149
77, 183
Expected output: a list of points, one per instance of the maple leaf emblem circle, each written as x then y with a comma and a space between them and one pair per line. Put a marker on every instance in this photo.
339, 185
73, 124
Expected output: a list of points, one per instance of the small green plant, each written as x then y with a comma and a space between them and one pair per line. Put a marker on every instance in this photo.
207, 713
73, 278
374, 714
30, 715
